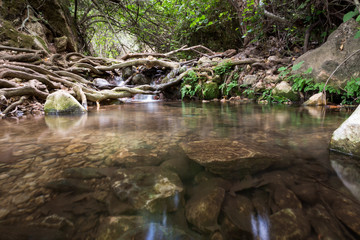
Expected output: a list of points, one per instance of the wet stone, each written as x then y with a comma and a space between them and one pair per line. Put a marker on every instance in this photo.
76, 148
238, 210
226, 157
68, 185
4, 176
18, 199
285, 198
203, 208
115, 226
323, 224
4, 212
289, 224
149, 188
348, 212
83, 173
29, 175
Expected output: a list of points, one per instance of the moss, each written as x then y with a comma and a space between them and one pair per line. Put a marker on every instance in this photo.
211, 90
43, 43
62, 103
10, 36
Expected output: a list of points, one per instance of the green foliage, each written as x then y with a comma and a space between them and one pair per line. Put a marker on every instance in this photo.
226, 88
267, 96
191, 85
352, 92
349, 16
223, 68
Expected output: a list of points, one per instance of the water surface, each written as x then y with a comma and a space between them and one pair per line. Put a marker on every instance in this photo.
36, 153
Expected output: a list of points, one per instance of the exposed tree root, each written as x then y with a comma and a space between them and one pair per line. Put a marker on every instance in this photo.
30, 75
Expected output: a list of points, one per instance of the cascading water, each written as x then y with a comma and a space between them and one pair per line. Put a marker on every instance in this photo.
260, 226
157, 231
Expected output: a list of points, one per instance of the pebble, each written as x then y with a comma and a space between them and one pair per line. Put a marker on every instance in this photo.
20, 199
4, 176
29, 175
4, 212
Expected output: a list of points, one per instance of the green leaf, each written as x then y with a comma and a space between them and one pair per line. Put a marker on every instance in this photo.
308, 71
358, 18
349, 16
282, 69
357, 35
297, 66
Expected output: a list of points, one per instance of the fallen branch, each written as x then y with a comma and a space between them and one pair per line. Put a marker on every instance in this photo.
26, 50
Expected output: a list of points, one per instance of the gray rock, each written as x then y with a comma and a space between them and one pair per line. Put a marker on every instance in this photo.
140, 79
127, 72
61, 44
103, 84
284, 89
346, 138
289, 224
249, 80
318, 99
202, 209
323, 60
149, 188
62, 103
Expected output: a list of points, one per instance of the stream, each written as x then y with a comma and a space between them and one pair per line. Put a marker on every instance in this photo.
165, 170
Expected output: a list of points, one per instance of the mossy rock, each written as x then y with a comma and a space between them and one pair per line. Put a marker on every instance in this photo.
62, 103
211, 90
284, 90
11, 37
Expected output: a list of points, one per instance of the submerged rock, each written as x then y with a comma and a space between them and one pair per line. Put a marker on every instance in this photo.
202, 209
115, 226
289, 224
239, 210
149, 188
155, 231
83, 173
348, 212
323, 224
228, 158
68, 185
346, 138
62, 103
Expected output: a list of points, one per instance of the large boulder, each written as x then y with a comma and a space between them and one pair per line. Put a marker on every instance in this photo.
229, 158
62, 103
323, 60
346, 138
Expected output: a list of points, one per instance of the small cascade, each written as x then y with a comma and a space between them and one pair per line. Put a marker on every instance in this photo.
260, 226
119, 81
144, 98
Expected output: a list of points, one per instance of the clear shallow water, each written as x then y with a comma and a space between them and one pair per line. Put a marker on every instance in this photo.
37, 153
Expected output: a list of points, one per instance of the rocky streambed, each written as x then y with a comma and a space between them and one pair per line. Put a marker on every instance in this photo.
178, 171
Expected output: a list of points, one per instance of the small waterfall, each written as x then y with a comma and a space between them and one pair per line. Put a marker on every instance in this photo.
144, 98
260, 227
